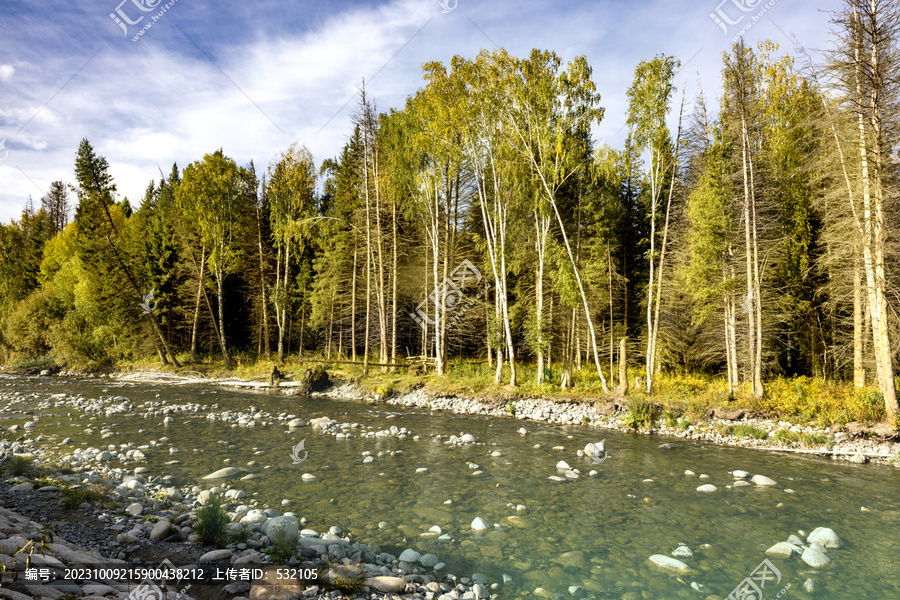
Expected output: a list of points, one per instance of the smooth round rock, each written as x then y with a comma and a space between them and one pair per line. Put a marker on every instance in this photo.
815, 558
669, 564
825, 536
763, 480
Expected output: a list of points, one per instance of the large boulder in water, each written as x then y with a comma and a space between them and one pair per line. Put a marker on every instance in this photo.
315, 379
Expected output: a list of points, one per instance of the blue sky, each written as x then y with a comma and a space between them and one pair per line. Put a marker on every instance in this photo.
253, 77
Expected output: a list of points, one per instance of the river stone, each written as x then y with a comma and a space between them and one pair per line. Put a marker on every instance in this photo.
428, 560
825, 536
254, 516
562, 465
388, 585
669, 564
682, 552
707, 489
135, 509
468, 438
575, 559
307, 477
22, 487
740, 474
282, 528
809, 586
815, 558
742, 483
763, 480
297, 423
138, 455
215, 556
479, 524
783, 550
161, 530
409, 555
224, 473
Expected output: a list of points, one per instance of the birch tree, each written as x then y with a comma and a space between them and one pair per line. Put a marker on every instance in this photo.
291, 191
649, 100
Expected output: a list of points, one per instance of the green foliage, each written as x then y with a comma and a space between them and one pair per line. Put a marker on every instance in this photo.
641, 414
20, 466
282, 548
786, 437
824, 403
25, 553
211, 522
76, 495
347, 577
239, 535
745, 430
670, 419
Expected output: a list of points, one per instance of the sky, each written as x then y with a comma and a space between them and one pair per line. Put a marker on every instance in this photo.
155, 82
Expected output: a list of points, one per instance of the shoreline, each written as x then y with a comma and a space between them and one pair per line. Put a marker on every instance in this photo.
854, 443
844, 446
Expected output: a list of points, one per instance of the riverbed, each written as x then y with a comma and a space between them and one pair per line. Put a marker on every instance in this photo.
402, 477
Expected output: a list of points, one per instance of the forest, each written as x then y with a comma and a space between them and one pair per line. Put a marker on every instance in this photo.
739, 239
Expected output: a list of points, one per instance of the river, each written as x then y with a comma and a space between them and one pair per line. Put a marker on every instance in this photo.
589, 537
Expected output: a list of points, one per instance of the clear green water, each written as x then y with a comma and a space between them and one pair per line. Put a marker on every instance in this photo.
595, 532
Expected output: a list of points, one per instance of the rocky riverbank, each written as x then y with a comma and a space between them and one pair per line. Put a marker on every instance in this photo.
121, 516
855, 443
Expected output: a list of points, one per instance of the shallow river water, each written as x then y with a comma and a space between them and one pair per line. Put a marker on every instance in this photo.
595, 533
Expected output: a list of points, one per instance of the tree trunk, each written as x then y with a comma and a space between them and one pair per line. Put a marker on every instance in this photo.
353, 305
196, 324
220, 284
542, 228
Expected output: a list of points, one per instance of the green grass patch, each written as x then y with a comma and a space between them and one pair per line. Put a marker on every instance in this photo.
744, 430
76, 495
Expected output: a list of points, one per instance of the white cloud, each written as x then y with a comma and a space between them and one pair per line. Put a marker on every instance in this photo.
160, 101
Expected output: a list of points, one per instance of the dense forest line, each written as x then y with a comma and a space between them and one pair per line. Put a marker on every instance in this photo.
755, 239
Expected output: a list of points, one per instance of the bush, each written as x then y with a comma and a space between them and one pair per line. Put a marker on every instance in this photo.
20, 466
211, 522
642, 414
